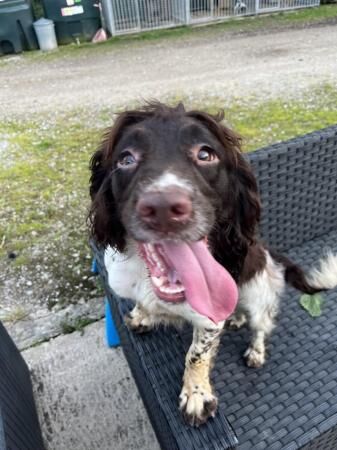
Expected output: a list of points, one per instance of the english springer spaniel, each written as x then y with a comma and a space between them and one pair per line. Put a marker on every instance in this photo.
176, 206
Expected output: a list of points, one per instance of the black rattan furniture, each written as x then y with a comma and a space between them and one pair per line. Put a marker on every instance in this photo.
19, 426
291, 402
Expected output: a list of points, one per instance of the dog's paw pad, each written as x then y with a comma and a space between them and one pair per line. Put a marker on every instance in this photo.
197, 406
254, 358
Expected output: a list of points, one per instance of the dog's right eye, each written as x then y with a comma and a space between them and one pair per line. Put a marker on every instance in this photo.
126, 160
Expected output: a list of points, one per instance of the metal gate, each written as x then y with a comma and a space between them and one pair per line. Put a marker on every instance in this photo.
279, 5
268, 5
209, 10
130, 16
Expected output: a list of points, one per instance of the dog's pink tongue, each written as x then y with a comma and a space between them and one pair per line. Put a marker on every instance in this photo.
209, 288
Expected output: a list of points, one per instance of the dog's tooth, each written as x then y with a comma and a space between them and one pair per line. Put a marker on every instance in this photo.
158, 281
165, 289
177, 290
171, 290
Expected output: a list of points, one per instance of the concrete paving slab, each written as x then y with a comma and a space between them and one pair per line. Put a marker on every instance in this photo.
41, 326
86, 396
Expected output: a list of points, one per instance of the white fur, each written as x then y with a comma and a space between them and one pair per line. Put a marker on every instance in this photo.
166, 180
325, 276
259, 297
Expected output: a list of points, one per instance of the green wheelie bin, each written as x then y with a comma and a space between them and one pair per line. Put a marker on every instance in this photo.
16, 27
74, 19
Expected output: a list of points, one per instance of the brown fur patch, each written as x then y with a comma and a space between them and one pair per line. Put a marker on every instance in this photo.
255, 262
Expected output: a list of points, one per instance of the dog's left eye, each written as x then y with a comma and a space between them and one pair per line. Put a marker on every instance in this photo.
126, 159
206, 154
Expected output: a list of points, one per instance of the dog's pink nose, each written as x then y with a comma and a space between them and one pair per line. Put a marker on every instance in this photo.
165, 211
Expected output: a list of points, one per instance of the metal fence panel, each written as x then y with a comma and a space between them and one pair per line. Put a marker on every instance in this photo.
129, 16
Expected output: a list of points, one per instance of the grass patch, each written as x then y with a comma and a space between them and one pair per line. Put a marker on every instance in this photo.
15, 315
281, 20
44, 185
76, 325
44, 180
264, 123
279, 120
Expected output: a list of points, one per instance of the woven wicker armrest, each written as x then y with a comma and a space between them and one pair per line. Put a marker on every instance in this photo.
291, 402
19, 426
298, 188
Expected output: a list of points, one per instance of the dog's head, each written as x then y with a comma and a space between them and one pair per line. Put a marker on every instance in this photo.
164, 173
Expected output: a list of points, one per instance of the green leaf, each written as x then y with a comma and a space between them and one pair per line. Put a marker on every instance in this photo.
312, 304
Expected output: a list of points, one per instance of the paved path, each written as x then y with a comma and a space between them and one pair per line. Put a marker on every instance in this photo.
86, 396
220, 64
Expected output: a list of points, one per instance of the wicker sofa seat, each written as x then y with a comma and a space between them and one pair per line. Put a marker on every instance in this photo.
291, 402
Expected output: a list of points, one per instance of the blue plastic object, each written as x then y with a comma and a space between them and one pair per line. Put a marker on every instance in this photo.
111, 333
110, 327
94, 267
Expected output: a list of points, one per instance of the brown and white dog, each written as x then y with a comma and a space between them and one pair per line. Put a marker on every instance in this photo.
176, 206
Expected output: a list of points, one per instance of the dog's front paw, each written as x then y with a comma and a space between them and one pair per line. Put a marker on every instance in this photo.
197, 405
236, 321
254, 357
138, 324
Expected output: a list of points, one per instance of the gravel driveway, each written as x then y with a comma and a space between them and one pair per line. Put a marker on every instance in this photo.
219, 64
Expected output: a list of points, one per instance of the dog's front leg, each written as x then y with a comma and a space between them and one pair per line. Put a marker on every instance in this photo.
197, 401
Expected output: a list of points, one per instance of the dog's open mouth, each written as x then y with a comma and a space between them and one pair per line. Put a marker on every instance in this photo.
164, 276
187, 271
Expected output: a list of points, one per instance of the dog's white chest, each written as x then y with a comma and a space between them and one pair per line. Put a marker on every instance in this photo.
127, 274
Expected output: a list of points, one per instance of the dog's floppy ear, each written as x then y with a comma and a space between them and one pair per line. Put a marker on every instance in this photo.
242, 209
239, 213
105, 225
243, 200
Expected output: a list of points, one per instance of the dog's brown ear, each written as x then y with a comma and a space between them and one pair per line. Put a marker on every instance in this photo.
244, 200
241, 201
105, 225
230, 141
180, 108
240, 211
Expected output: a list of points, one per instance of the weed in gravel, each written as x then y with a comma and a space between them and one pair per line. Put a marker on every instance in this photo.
15, 315
76, 325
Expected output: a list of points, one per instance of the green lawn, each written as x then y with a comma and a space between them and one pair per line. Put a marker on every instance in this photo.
44, 177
